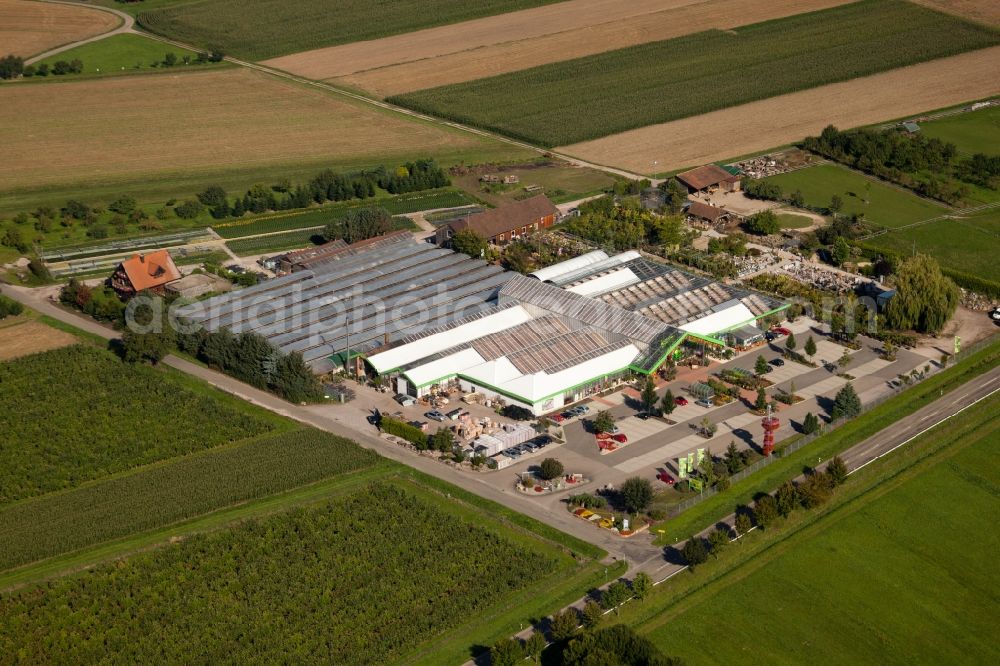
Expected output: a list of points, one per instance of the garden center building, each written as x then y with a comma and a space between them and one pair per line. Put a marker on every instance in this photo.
424, 316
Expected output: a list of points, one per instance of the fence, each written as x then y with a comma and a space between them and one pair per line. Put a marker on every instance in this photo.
805, 440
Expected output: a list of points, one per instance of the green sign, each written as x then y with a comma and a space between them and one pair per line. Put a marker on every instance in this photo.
696, 485
701, 456
682, 467
958, 344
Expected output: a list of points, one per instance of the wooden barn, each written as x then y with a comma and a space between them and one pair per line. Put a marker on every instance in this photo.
709, 178
505, 224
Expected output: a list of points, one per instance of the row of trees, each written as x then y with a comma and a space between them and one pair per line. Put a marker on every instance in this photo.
9, 307
360, 224
814, 491
625, 226
579, 639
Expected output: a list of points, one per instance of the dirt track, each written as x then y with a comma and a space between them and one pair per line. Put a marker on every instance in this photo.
780, 120
27, 28
226, 119
519, 40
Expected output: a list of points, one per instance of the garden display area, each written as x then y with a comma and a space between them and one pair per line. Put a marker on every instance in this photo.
119, 480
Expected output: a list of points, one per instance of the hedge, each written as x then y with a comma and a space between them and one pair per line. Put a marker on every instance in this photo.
412, 434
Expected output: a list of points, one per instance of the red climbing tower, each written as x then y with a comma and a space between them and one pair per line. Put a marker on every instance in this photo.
770, 423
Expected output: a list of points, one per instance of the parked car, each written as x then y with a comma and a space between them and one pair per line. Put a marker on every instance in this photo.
568, 414
770, 336
681, 401
583, 408
620, 438
704, 403
405, 400
666, 478
781, 330
614, 430
558, 418
777, 362
642, 416
436, 416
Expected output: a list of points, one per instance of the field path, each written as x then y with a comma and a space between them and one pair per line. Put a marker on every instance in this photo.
777, 121
126, 26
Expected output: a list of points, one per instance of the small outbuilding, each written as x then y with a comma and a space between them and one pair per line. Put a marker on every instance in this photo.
199, 284
711, 215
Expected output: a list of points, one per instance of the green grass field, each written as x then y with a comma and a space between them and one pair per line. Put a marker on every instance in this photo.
270, 28
973, 132
134, 415
793, 221
587, 98
958, 244
289, 240
887, 206
126, 54
901, 574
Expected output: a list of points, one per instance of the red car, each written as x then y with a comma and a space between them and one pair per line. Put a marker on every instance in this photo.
780, 330
666, 478
680, 401
620, 438
558, 418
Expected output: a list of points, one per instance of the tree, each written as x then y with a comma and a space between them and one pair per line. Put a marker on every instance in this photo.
143, 347
189, 210
790, 342
534, 646
648, 396
846, 404
760, 366
507, 652
9, 307
841, 251
641, 585
615, 595
694, 552
636, 494
170, 59
617, 645
787, 498
925, 299
361, 224
551, 469
604, 421
469, 242
797, 199
124, 204
837, 469
216, 200
844, 360
810, 348
810, 424
592, 614
836, 204
667, 404
816, 489
718, 539
675, 195
733, 458
12, 66
565, 625
444, 440
743, 523
763, 223
761, 403
765, 510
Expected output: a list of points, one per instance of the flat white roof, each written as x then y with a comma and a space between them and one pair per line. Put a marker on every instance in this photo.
605, 283
539, 385
439, 342
564, 267
722, 320
448, 366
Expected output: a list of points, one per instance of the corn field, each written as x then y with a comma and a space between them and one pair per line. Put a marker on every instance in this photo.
588, 98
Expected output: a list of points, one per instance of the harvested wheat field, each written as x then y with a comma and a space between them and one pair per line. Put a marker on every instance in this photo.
519, 40
28, 28
31, 337
758, 126
223, 120
984, 11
